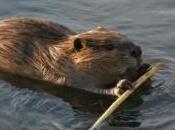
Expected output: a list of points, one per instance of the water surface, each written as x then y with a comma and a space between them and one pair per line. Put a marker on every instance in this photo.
149, 23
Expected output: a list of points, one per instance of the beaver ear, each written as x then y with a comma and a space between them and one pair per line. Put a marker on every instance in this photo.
78, 44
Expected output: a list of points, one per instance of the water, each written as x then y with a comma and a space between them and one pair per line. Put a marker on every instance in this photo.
149, 23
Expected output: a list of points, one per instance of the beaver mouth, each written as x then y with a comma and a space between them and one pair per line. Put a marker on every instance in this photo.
131, 74
143, 68
134, 73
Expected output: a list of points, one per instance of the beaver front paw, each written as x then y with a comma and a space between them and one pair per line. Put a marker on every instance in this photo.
122, 86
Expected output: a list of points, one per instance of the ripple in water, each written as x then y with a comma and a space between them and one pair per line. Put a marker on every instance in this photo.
148, 23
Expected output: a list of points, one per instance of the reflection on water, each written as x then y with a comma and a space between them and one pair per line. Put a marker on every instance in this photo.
84, 104
148, 23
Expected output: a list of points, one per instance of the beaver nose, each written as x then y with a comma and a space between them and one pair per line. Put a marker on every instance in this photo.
136, 52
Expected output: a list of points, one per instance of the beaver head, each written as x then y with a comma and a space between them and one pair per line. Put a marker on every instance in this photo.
100, 57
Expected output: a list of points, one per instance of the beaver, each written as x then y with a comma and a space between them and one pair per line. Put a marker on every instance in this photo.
44, 50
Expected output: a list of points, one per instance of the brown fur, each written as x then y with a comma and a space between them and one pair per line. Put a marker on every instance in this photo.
45, 50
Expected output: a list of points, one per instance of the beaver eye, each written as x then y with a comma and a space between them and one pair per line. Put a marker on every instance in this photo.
109, 47
78, 44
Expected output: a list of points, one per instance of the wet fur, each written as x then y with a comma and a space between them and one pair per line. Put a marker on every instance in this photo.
44, 50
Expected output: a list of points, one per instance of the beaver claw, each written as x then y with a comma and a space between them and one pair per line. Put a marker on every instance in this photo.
122, 86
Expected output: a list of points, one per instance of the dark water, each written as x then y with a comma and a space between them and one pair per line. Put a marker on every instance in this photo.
149, 23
